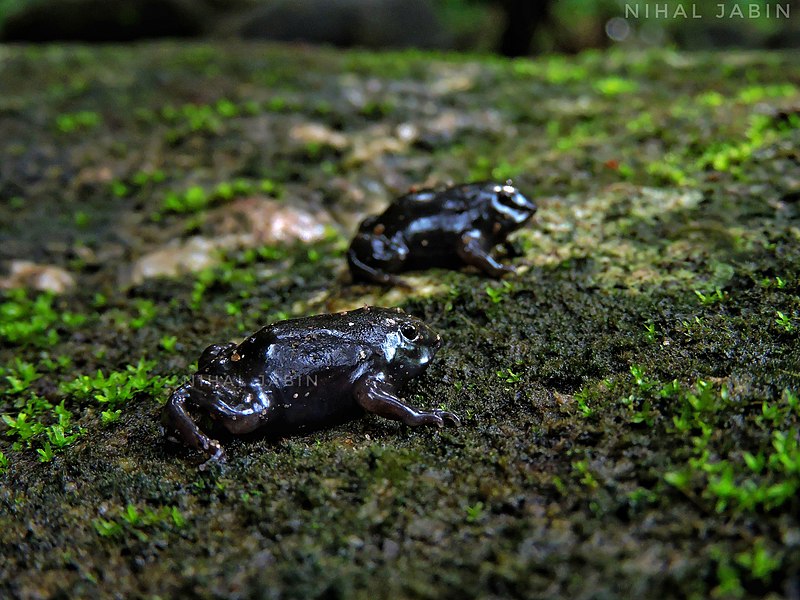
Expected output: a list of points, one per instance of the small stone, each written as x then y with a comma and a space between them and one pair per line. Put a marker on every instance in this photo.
34, 276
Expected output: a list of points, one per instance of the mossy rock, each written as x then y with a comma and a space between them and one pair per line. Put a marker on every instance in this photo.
629, 398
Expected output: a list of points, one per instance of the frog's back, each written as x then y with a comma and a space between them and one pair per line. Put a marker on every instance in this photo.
288, 348
427, 203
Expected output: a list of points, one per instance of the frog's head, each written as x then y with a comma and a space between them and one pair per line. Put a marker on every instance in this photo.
408, 344
507, 208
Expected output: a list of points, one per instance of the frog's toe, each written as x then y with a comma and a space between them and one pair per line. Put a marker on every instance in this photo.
217, 455
448, 417
505, 270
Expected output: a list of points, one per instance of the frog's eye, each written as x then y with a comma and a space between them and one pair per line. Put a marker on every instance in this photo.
409, 332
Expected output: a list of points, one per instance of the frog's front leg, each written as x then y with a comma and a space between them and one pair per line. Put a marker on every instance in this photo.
378, 396
473, 251
177, 420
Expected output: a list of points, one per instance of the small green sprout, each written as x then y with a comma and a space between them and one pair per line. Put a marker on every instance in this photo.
679, 479
192, 200
587, 477
21, 427
583, 403
475, 512
708, 299
276, 104
615, 86
641, 381
233, 309
107, 528
650, 332
509, 376
57, 437
730, 585
142, 178
119, 189
21, 376
81, 219
227, 109
3, 463
645, 415
168, 342
45, 453
99, 300
110, 416
177, 518
784, 321
131, 515
792, 400
496, 294
690, 325
147, 312
755, 462
759, 561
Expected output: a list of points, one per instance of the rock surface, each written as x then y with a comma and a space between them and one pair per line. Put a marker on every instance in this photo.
629, 398
43, 278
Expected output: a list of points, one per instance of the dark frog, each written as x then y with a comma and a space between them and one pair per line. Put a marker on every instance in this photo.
307, 373
446, 228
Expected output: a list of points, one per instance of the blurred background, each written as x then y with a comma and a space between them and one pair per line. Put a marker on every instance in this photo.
508, 27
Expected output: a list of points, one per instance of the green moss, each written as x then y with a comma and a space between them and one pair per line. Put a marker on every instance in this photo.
130, 522
196, 198
33, 321
79, 121
615, 86
118, 387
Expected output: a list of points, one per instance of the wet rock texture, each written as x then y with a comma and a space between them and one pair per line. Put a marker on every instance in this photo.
629, 398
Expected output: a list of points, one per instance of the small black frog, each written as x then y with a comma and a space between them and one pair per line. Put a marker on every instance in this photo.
446, 228
307, 373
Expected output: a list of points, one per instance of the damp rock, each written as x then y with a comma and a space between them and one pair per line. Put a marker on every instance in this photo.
34, 276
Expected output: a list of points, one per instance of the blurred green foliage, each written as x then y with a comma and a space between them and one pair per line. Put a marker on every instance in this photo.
575, 25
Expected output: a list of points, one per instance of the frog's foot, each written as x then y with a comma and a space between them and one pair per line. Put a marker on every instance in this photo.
447, 417
437, 417
217, 455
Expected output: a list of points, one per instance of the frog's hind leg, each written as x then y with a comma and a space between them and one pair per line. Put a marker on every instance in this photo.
177, 421
361, 270
237, 409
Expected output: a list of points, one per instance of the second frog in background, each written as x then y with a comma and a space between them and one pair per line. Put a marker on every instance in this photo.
447, 228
